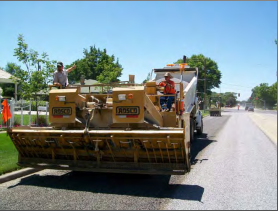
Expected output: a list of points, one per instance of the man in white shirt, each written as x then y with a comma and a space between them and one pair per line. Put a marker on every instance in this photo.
60, 77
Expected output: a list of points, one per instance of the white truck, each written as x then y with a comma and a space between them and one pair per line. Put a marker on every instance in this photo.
247, 105
185, 79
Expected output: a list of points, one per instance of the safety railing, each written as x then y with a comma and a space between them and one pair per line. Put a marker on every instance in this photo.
102, 88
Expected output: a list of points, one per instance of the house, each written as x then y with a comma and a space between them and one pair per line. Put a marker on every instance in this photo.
5, 78
83, 90
85, 82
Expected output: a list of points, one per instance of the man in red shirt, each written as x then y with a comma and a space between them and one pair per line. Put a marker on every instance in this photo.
169, 89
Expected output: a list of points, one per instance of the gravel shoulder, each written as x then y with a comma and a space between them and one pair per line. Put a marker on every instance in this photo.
267, 123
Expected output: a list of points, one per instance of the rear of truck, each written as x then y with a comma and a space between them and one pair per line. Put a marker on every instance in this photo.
215, 106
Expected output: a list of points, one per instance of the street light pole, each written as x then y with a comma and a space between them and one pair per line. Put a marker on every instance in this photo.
264, 103
205, 80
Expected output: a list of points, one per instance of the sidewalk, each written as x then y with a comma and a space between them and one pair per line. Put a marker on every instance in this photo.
32, 112
264, 110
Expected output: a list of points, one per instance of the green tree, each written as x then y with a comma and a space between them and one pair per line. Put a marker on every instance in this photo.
231, 100
98, 65
148, 78
273, 92
38, 72
266, 93
227, 98
213, 74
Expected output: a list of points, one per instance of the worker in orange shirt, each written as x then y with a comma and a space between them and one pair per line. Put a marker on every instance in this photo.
169, 89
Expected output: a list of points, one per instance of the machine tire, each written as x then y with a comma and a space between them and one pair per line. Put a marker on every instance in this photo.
200, 130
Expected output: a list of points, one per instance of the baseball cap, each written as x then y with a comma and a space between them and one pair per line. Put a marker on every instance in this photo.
60, 64
168, 74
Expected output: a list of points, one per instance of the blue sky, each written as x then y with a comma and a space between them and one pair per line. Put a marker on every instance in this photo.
239, 36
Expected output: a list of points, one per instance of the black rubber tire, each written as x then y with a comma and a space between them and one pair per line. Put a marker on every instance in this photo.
188, 158
78, 173
200, 130
191, 130
189, 161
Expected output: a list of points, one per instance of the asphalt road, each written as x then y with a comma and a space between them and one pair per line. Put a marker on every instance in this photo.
234, 166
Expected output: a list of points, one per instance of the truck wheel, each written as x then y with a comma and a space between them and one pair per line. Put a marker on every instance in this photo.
200, 130
191, 130
188, 158
189, 162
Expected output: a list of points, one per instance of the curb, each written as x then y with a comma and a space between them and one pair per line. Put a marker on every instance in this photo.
17, 174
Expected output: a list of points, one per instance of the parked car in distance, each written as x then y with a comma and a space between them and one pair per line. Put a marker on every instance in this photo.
251, 108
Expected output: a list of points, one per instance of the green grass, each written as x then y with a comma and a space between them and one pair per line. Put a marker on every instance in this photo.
205, 113
8, 154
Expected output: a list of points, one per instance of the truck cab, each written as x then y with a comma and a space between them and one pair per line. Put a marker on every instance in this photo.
247, 105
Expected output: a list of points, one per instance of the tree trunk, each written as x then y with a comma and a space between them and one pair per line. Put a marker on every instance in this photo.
37, 110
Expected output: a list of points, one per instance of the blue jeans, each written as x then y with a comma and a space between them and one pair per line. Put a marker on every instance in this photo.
169, 101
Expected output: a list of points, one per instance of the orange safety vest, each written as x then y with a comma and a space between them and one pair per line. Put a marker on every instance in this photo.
169, 87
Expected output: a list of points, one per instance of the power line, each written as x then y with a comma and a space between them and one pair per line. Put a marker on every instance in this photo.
238, 85
241, 91
232, 87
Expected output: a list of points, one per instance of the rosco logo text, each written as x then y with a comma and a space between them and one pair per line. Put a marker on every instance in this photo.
133, 110
61, 111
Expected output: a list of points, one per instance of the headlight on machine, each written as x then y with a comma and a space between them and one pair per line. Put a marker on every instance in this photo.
61, 98
122, 96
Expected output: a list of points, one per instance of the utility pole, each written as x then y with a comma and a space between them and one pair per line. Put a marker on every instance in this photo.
260, 100
205, 83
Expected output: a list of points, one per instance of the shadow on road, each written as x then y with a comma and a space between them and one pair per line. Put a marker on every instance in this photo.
199, 144
155, 186
150, 186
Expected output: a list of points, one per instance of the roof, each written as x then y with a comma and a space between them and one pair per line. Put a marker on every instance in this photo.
43, 92
83, 89
5, 77
173, 69
133, 88
88, 82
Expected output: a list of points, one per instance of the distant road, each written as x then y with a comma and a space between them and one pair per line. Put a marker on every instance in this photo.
241, 108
